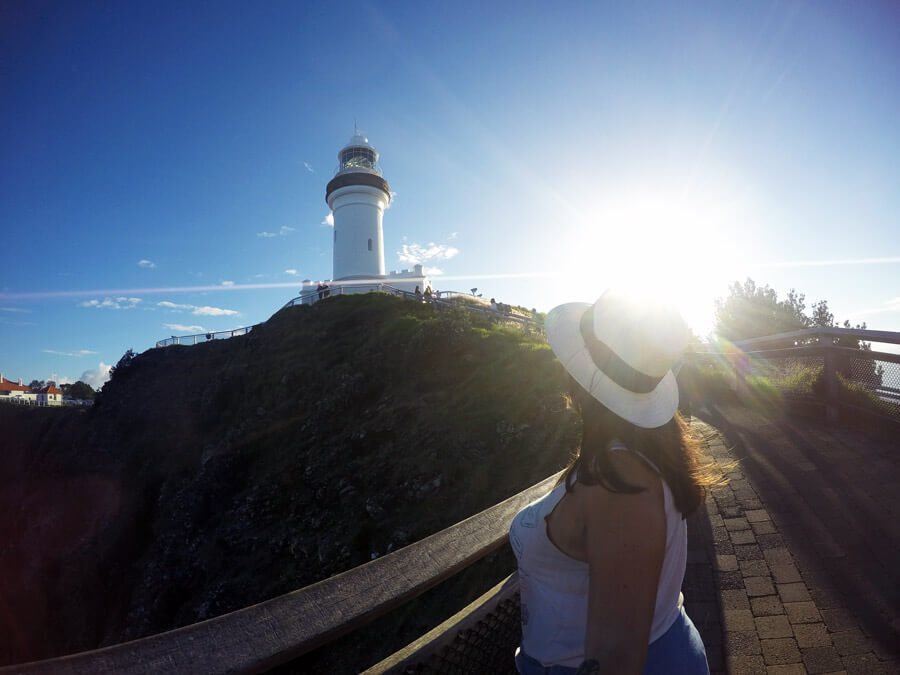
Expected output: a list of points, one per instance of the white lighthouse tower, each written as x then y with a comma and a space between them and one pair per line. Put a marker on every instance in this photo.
357, 196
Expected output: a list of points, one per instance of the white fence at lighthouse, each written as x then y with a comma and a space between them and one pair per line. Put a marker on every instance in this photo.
438, 298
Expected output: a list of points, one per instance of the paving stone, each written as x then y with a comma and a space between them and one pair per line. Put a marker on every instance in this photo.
826, 598
758, 586
839, 619
764, 527
780, 651
697, 556
743, 537
735, 599
785, 573
795, 592
865, 664
732, 524
748, 552
732, 511
747, 497
746, 665
778, 555
821, 660
726, 563
703, 613
715, 658
812, 635
848, 642
773, 627
789, 669
738, 620
754, 568
757, 516
802, 612
742, 643
768, 605
768, 541
716, 520
729, 580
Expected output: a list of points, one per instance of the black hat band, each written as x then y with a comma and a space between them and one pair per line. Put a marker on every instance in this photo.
610, 364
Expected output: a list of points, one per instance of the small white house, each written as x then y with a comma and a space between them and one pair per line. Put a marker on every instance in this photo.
49, 396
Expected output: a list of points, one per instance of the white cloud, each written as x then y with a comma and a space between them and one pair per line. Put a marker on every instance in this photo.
63, 380
391, 201
453, 235
291, 272
97, 376
15, 310
416, 254
173, 305
80, 352
887, 307
149, 264
308, 167
181, 328
199, 311
432, 271
214, 311
329, 220
283, 231
112, 303
228, 283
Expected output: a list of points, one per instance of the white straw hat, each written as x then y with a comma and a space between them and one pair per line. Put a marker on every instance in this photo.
621, 350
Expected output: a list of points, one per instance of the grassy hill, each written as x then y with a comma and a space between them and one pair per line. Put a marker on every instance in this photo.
214, 476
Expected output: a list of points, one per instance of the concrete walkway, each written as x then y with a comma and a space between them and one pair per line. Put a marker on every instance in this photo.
794, 566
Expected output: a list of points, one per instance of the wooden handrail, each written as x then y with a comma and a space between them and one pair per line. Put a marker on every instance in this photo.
889, 337
259, 637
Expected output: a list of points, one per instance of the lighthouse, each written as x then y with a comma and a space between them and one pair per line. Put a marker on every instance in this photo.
357, 196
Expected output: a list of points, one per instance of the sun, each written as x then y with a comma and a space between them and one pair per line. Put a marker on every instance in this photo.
660, 244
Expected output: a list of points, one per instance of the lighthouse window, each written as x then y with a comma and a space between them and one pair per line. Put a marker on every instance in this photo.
358, 158
370, 244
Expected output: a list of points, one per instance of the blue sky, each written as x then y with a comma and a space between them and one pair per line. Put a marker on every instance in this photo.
164, 164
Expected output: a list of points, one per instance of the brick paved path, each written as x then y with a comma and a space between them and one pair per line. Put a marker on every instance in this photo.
794, 566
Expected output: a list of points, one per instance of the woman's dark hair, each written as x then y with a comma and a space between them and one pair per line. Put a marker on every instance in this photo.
671, 447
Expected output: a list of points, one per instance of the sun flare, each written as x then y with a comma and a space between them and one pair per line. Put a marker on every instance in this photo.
658, 244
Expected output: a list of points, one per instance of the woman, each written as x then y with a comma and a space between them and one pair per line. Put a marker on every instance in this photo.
602, 557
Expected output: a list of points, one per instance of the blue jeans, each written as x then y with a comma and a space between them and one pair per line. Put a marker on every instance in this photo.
678, 651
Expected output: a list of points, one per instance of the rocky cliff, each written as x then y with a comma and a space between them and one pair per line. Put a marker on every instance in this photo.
214, 476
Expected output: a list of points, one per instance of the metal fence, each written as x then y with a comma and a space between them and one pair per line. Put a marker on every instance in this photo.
834, 366
500, 313
204, 337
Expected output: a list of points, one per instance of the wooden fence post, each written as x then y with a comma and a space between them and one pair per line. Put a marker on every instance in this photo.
829, 372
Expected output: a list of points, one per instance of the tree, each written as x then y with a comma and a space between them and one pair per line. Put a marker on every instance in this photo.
821, 316
79, 390
754, 311
122, 364
36, 384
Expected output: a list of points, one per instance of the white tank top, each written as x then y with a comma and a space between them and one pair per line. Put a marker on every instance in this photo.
553, 586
